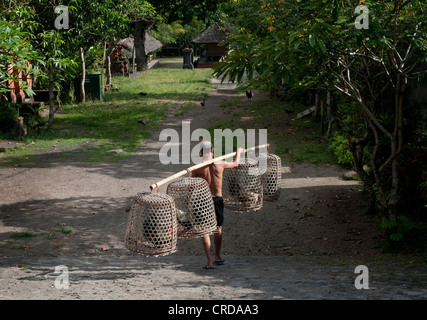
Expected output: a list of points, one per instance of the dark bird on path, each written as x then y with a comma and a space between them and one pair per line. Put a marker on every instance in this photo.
142, 94
202, 103
289, 111
144, 122
249, 94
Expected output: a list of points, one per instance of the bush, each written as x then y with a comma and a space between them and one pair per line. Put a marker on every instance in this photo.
338, 145
8, 114
31, 114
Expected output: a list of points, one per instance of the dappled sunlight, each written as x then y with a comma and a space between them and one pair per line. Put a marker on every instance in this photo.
316, 182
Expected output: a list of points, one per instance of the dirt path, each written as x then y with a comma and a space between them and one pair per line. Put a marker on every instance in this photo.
316, 214
304, 246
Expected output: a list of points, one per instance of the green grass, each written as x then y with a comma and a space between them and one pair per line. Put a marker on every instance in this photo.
23, 234
64, 230
51, 234
184, 108
85, 132
296, 140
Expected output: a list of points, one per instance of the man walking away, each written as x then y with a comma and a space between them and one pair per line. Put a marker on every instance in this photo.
213, 174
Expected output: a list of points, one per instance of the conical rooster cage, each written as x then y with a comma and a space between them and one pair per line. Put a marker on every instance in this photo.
271, 178
194, 206
152, 225
242, 187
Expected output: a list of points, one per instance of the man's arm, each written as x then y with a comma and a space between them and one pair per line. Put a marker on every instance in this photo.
236, 161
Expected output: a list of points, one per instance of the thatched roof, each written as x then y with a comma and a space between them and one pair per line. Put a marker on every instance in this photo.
213, 35
151, 44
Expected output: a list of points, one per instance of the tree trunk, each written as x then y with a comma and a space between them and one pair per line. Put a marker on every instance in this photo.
378, 200
83, 76
139, 43
316, 104
51, 97
329, 111
322, 112
141, 28
133, 59
392, 207
396, 147
103, 62
357, 149
108, 71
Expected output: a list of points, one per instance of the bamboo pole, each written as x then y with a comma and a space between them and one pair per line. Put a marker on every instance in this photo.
201, 165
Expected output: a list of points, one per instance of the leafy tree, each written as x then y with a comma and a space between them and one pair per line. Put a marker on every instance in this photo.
56, 61
315, 44
193, 17
185, 10
142, 16
168, 33
93, 23
193, 29
177, 33
15, 47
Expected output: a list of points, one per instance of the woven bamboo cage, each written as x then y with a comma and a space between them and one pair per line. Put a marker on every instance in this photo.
271, 178
242, 187
152, 225
195, 208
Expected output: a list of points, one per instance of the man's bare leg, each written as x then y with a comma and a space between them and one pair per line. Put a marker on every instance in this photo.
206, 240
218, 242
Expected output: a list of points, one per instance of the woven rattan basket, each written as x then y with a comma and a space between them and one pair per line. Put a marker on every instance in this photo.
242, 187
194, 205
271, 178
152, 225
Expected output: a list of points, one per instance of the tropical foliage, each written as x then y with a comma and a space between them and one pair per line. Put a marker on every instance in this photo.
366, 56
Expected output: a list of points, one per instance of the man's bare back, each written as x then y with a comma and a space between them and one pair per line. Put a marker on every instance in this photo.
213, 173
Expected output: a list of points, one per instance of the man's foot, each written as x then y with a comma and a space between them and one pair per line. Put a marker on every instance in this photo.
219, 262
208, 268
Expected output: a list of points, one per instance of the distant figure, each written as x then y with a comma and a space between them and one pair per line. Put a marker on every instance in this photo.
202, 103
213, 174
249, 94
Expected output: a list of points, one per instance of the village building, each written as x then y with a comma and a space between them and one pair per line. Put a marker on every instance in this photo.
122, 56
214, 46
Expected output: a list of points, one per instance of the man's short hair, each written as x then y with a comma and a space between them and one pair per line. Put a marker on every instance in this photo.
206, 147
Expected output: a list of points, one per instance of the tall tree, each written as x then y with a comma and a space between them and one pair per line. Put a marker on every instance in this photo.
308, 43
16, 49
56, 61
185, 10
143, 16
93, 23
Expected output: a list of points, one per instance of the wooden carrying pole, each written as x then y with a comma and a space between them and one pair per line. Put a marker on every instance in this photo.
201, 165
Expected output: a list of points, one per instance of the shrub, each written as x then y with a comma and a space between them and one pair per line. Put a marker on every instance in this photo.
338, 145
8, 114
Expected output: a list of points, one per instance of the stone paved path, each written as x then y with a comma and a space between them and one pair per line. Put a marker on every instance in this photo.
182, 278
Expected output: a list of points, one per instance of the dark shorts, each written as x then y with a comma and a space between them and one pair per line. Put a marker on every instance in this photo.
219, 210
